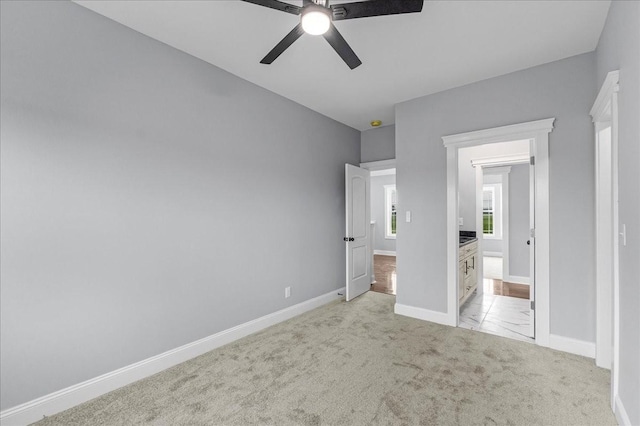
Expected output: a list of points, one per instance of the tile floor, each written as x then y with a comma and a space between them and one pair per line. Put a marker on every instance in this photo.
501, 315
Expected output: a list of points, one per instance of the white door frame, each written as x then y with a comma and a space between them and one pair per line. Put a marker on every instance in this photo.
538, 133
604, 114
379, 165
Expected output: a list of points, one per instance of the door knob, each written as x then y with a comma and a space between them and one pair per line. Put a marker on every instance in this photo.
348, 239
528, 242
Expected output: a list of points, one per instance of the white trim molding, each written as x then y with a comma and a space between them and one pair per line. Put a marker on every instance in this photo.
601, 110
509, 133
500, 160
604, 113
379, 165
385, 172
423, 314
384, 252
620, 412
538, 133
64, 399
573, 346
497, 170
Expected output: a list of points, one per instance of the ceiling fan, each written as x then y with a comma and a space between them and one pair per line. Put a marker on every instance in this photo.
316, 18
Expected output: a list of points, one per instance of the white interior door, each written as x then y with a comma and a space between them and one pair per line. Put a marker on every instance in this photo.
532, 242
357, 241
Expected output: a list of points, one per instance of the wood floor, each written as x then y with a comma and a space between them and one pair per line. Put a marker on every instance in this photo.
385, 273
502, 288
384, 269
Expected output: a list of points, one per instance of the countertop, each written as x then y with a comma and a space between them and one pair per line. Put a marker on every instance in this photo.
465, 241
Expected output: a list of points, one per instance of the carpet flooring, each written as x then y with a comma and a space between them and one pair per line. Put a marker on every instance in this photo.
358, 363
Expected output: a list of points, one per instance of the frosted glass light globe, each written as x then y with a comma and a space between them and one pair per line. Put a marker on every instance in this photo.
315, 22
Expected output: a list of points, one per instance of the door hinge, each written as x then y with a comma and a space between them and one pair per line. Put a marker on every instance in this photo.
532, 160
533, 305
532, 232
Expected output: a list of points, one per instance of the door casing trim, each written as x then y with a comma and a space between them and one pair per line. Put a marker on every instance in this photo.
605, 113
538, 132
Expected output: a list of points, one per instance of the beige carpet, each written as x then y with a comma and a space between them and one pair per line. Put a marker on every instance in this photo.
357, 363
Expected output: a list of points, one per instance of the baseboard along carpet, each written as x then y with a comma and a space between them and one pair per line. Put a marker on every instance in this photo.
359, 363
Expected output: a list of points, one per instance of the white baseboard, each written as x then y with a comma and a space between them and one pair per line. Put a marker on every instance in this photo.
385, 252
64, 399
621, 414
573, 346
423, 314
515, 279
492, 253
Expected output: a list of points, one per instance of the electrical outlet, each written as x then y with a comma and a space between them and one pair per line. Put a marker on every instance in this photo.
287, 292
460, 221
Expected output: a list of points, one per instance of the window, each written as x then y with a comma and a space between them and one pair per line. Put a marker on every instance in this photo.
491, 211
488, 210
390, 216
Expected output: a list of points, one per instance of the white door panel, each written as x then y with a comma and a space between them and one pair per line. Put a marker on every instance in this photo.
357, 231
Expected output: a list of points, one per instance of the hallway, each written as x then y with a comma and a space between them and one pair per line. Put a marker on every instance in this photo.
384, 268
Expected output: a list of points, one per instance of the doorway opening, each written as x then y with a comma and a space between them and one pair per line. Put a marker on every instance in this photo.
384, 197
382, 220
537, 133
494, 200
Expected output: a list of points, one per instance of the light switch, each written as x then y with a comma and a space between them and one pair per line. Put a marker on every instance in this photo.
460, 221
408, 216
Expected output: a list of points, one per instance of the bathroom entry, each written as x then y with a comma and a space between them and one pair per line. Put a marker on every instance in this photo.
384, 199
494, 219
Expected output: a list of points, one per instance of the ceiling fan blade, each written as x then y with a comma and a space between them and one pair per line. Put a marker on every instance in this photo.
287, 41
365, 9
341, 47
277, 5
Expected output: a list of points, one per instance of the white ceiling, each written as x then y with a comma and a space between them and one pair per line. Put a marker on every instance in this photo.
448, 44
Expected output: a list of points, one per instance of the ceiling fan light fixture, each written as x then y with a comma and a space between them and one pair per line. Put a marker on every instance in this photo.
315, 20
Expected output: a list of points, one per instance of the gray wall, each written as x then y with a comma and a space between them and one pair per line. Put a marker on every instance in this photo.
519, 220
378, 144
564, 89
377, 211
619, 48
148, 199
467, 189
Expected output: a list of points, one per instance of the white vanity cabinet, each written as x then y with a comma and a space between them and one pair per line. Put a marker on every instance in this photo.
467, 271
